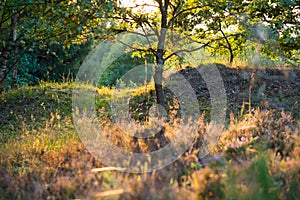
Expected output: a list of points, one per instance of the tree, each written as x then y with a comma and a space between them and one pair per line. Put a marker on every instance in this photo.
25, 25
274, 24
177, 15
282, 19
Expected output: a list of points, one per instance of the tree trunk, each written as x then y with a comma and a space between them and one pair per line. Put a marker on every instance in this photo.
14, 39
4, 62
6, 53
160, 61
158, 85
230, 51
158, 76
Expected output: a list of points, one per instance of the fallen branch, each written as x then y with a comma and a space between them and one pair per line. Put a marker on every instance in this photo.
107, 169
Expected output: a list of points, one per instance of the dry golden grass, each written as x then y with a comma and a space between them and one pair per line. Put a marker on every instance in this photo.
42, 157
51, 163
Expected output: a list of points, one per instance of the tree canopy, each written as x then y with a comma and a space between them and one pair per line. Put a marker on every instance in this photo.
30, 26
221, 27
224, 27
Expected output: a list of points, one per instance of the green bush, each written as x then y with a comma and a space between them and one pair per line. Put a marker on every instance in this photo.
121, 66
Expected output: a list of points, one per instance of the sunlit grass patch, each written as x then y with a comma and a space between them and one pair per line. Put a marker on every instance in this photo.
257, 155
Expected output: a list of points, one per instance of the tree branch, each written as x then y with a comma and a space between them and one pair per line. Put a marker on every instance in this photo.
186, 50
228, 43
198, 48
137, 49
186, 10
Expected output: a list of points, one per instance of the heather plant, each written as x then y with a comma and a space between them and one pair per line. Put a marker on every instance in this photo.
257, 155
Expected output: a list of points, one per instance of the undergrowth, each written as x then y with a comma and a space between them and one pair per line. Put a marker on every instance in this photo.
42, 156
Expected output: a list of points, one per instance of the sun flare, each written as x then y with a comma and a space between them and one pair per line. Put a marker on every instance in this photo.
141, 6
